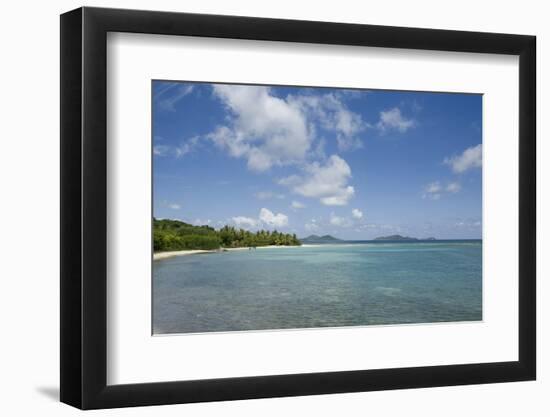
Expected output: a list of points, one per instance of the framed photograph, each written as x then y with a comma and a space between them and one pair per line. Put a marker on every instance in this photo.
257, 208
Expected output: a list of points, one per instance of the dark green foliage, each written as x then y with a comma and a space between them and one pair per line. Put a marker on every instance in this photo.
169, 235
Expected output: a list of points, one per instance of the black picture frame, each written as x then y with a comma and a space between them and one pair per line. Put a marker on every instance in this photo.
84, 207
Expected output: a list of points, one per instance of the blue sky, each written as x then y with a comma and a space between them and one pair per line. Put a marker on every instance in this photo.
355, 164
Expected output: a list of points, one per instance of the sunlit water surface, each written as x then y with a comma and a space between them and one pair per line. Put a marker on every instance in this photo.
322, 286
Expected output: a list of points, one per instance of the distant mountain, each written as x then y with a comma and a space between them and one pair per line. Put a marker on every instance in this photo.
319, 239
397, 237
429, 238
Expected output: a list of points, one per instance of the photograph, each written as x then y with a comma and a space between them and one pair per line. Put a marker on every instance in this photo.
257, 205
297, 207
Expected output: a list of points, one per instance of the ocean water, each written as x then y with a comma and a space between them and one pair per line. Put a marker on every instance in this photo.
322, 286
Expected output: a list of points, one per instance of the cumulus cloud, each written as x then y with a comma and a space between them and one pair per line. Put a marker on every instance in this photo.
268, 130
297, 205
334, 116
469, 159
266, 218
271, 219
393, 120
245, 222
339, 221
174, 206
328, 182
357, 214
264, 129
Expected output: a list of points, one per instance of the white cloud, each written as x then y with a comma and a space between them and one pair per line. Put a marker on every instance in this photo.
271, 219
346, 143
311, 226
328, 182
178, 151
181, 150
393, 119
269, 131
339, 221
170, 95
174, 206
318, 152
433, 187
160, 150
186, 147
298, 205
453, 187
264, 129
470, 158
435, 190
334, 116
354, 94
290, 181
245, 222
268, 195
265, 217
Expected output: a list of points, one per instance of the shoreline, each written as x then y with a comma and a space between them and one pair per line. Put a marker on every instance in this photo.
165, 255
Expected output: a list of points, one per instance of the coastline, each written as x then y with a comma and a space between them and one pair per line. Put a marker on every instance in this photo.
165, 255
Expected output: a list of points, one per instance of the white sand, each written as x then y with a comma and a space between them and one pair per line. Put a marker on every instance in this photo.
163, 255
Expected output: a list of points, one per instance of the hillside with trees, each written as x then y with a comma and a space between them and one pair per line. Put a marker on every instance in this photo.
173, 235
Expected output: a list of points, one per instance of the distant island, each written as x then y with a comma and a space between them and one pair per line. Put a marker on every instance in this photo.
175, 235
320, 239
332, 239
403, 238
396, 237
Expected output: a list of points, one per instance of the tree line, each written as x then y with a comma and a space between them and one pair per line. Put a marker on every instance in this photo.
171, 235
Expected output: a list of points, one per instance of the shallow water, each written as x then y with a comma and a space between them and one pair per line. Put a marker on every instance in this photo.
321, 286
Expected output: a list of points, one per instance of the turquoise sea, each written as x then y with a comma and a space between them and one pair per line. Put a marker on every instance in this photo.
355, 284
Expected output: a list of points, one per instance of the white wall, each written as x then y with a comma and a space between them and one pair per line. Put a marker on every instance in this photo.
29, 101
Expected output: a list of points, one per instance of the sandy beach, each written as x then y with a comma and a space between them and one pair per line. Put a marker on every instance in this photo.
164, 255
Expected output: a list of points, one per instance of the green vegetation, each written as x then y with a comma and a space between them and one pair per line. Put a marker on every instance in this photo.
171, 235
